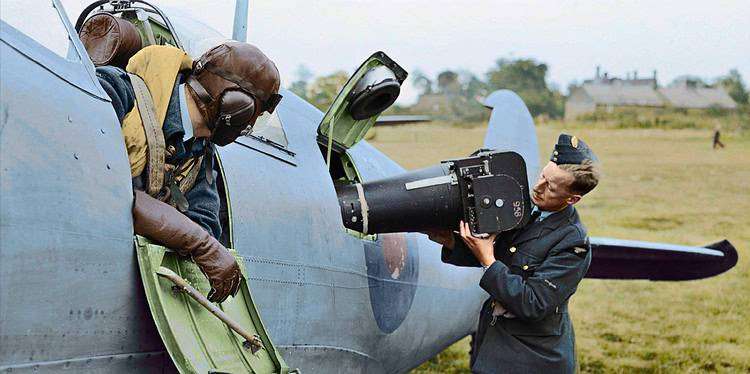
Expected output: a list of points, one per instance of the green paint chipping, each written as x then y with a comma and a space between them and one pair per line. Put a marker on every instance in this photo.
197, 341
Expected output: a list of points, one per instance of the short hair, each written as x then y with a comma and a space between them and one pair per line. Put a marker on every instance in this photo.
585, 176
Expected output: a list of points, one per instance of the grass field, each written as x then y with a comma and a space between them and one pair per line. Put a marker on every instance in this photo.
659, 185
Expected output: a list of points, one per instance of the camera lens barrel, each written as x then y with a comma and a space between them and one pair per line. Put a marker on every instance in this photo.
489, 191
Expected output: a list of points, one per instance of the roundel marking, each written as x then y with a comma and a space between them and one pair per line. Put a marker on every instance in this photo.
393, 271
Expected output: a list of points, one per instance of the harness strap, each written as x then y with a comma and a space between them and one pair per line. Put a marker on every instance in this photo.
188, 181
154, 135
180, 181
199, 90
185, 175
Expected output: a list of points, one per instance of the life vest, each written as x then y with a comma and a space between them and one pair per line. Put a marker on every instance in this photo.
158, 67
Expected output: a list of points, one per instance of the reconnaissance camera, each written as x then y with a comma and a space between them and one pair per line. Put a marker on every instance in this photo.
488, 190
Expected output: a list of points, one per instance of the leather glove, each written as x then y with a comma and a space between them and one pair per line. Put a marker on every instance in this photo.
161, 222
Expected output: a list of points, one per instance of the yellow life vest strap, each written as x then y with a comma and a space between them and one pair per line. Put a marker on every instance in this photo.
187, 172
152, 73
154, 135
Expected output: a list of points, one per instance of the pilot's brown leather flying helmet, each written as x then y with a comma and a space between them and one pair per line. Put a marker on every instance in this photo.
234, 83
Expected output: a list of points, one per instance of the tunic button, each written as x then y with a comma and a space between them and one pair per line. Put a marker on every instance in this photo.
556, 153
512, 249
526, 267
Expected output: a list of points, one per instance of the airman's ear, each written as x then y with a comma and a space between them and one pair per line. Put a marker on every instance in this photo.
572, 199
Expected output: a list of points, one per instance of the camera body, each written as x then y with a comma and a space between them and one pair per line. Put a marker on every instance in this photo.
489, 190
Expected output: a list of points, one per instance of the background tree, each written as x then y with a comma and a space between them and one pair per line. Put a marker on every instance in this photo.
735, 87
422, 82
471, 86
299, 86
323, 90
527, 78
689, 80
448, 83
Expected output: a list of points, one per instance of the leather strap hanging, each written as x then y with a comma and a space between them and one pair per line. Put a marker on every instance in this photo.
188, 181
183, 181
154, 135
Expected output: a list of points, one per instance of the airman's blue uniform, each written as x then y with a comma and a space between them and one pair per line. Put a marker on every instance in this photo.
524, 326
539, 267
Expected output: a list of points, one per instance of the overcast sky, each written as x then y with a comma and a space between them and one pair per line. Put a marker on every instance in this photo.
703, 38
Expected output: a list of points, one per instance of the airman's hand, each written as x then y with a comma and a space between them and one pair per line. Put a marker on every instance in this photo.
483, 248
444, 237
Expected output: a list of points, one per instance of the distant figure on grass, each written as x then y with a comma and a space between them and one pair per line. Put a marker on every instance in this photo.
717, 135
531, 273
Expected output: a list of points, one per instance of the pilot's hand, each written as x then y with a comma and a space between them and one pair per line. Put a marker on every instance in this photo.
444, 237
222, 271
483, 247
161, 222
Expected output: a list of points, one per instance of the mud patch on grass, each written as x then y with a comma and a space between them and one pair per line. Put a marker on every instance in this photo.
654, 223
611, 337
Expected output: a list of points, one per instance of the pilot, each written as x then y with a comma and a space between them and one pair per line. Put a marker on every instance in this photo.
173, 111
531, 272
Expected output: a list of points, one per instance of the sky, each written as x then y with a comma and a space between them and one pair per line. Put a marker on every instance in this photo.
701, 38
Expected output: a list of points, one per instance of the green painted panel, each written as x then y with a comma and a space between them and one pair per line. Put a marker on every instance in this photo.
338, 124
198, 341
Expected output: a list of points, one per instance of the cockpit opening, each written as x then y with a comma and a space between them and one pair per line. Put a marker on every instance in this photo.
112, 34
341, 168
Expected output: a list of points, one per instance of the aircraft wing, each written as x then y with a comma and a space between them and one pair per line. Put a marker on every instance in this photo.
401, 119
630, 259
511, 128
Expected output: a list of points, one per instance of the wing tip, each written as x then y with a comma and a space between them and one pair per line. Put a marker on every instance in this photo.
641, 260
730, 254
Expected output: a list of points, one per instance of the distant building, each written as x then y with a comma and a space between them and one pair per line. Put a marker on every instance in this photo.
432, 103
690, 95
438, 103
606, 93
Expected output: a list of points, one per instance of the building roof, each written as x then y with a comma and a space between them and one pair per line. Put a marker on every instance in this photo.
623, 94
697, 97
682, 96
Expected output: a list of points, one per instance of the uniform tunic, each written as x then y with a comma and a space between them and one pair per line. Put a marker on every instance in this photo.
203, 198
539, 267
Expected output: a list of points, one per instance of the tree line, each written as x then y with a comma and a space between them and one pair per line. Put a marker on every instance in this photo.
456, 94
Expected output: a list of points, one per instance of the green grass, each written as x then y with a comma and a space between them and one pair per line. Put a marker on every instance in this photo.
667, 118
662, 185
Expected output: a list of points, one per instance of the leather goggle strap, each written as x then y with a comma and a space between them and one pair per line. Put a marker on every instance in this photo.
197, 87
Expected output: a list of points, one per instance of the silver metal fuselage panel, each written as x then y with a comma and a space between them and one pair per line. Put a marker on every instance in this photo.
70, 295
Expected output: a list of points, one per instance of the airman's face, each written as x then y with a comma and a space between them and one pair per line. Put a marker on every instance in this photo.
551, 192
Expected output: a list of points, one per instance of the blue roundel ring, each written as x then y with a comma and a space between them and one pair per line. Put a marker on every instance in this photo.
393, 271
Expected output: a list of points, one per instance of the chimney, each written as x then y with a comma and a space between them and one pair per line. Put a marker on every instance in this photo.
655, 84
598, 68
635, 74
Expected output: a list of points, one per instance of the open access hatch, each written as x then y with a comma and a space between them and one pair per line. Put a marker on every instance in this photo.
196, 339
369, 91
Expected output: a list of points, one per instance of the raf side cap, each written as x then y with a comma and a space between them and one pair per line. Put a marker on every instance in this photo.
571, 150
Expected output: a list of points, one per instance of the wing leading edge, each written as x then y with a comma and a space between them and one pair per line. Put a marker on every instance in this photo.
629, 259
